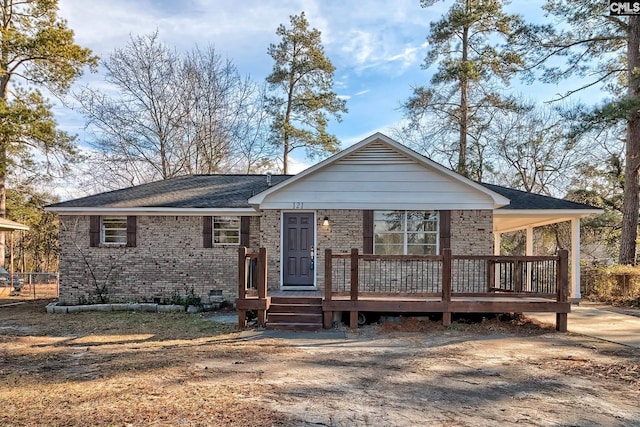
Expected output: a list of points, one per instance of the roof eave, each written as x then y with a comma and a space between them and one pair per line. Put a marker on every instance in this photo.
158, 211
561, 212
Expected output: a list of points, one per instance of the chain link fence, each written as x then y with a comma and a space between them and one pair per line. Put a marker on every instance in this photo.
30, 286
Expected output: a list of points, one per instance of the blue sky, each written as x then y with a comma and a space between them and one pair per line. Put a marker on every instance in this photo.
377, 46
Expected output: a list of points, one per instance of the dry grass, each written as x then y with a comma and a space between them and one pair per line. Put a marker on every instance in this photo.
139, 369
120, 368
29, 292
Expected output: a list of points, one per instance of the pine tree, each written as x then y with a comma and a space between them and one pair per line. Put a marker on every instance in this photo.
602, 50
465, 47
36, 49
301, 84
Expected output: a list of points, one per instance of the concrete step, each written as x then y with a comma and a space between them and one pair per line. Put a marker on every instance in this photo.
294, 326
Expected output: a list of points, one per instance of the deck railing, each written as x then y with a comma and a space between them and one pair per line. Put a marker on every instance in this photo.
252, 285
431, 275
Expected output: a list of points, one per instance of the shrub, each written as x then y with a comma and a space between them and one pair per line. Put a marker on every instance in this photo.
617, 283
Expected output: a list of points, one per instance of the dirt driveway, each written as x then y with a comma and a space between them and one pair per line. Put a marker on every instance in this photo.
178, 369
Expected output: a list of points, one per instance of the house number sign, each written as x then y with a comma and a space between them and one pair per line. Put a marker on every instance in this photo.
298, 205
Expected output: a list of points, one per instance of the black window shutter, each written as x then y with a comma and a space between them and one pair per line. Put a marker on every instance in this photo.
131, 231
445, 230
245, 224
94, 231
207, 231
367, 232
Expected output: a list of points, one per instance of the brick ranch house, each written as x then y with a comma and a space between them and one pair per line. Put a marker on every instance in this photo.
148, 242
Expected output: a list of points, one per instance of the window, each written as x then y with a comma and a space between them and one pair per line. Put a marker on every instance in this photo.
226, 230
113, 230
405, 232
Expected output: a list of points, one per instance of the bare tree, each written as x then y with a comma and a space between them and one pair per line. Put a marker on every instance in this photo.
168, 114
532, 151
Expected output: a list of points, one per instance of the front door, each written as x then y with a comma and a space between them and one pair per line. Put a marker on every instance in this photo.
297, 254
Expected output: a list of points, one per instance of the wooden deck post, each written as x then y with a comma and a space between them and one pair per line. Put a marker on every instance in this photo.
327, 316
242, 284
563, 288
353, 315
517, 276
262, 284
447, 266
491, 275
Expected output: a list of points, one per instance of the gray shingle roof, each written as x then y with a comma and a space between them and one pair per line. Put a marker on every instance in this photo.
523, 200
194, 191
233, 191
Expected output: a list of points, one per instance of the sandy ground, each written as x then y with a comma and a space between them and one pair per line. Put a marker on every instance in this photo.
154, 369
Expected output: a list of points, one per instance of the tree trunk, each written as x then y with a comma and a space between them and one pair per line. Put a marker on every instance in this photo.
464, 104
4, 92
632, 151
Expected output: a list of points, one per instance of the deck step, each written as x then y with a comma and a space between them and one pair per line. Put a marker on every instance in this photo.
295, 308
297, 300
295, 313
295, 318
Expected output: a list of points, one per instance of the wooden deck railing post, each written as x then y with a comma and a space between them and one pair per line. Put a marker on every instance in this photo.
491, 275
353, 316
327, 318
242, 284
262, 284
517, 276
447, 273
563, 288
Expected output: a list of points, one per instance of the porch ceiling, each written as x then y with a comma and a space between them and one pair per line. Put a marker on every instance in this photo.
506, 220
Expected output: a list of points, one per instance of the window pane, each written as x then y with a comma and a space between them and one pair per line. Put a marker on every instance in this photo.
388, 249
114, 230
388, 221
417, 231
421, 238
226, 230
227, 236
389, 238
418, 221
421, 249
226, 222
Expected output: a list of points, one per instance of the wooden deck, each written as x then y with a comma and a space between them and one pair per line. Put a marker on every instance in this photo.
517, 293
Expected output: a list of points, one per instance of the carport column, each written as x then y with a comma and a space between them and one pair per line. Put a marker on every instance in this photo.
529, 252
575, 260
497, 244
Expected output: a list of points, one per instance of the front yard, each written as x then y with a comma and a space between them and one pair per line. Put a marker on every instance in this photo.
180, 369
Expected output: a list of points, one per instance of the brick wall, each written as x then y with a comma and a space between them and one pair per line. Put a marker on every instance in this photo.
169, 258
472, 232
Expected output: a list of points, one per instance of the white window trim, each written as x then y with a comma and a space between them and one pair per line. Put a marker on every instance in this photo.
103, 231
405, 233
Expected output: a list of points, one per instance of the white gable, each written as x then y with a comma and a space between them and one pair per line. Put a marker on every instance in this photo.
378, 173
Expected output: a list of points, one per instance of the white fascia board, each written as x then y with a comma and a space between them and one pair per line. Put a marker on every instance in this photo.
546, 217
154, 211
379, 206
498, 199
574, 213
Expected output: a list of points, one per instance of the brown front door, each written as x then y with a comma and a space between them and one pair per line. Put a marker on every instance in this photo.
297, 258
